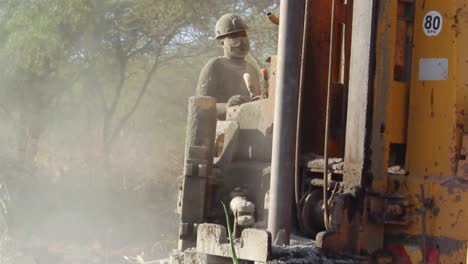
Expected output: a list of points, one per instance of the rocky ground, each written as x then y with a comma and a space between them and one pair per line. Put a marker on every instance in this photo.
306, 253
300, 252
36, 251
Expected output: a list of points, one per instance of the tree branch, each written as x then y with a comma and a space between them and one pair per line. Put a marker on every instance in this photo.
122, 59
6, 112
136, 51
132, 110
53, 99
165, 41
102, 99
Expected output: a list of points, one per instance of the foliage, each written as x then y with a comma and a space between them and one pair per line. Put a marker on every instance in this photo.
40, 33
235, 260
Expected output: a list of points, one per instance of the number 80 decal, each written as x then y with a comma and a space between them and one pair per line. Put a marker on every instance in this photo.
432, 23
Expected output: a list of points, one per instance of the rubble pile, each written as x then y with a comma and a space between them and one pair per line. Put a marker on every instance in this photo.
305, 253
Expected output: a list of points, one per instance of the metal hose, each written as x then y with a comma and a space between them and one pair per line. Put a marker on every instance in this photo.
297, 177
327, 123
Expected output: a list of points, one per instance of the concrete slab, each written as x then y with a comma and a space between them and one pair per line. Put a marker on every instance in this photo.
254, 245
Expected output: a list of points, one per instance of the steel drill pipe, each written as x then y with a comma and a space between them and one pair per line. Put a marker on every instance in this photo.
285, 118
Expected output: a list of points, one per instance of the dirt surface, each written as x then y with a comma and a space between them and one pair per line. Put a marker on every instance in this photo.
59, 228
108, 247
66, 252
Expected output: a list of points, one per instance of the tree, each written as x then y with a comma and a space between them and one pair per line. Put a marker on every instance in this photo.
112, 48
36, 40
136, 37
128, 40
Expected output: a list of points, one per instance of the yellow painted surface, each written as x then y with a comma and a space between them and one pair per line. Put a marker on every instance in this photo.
449, 215
456, 257
372, 236
434, 110
462, 170
447, 220
385, 61
432, 126
396, 117
435, 123
461, 29
451, 219
462, 85
401, 33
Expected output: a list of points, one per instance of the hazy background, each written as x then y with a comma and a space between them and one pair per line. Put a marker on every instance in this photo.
93, 100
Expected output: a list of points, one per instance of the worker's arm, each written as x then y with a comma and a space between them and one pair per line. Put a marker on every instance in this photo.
252, 81
207, 81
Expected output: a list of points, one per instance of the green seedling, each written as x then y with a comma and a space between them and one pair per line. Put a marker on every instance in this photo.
235, 260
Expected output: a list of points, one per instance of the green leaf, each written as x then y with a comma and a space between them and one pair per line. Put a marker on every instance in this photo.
235, 260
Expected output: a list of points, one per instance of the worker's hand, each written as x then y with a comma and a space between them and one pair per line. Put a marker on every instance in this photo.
237, 100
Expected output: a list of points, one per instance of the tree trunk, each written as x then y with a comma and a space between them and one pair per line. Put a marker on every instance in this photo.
30, 130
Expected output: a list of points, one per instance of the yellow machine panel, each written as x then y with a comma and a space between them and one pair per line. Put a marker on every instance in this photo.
436, 183
435, 116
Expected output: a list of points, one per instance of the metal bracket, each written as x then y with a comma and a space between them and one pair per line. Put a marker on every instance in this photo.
395, 209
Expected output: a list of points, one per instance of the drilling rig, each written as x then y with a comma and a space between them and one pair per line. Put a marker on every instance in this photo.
360, 146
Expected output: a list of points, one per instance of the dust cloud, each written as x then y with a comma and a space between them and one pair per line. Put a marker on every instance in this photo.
93, 98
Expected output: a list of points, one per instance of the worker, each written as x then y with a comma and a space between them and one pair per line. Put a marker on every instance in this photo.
230, 79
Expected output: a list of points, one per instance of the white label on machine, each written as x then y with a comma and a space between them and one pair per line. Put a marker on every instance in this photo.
433, 69
432, 23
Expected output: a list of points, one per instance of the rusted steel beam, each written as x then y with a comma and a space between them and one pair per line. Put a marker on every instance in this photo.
347, 203
360, 87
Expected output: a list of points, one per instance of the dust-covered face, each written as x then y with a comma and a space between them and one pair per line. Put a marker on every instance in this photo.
236, 47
